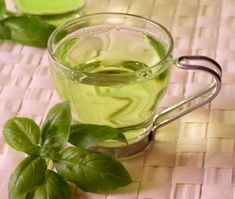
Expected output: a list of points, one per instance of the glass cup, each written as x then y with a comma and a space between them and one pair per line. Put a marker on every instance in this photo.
54, 12
115, 68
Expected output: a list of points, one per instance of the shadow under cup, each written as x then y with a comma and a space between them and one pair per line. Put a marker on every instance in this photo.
114, 69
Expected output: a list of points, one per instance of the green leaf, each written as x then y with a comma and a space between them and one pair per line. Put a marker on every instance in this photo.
3, 9
56, 128
22, 134
134, 65
88, 135
28, 174
53, 187
159, 47
4, 31
91, 171
29, 30
63, 50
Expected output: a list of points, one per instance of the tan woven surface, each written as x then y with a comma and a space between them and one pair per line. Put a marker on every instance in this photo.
191, 158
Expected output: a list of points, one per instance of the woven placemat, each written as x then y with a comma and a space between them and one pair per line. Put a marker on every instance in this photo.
192, 158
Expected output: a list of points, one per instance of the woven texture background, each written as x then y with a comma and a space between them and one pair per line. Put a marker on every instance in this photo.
192, 158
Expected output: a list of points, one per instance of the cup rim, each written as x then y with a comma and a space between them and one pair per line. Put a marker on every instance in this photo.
74, 22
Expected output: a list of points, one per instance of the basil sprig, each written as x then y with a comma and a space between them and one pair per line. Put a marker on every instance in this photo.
90, 171
25, 29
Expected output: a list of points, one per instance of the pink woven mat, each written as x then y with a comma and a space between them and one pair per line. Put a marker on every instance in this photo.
192, 158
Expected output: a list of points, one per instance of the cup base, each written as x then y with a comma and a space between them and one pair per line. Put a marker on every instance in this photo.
129, 150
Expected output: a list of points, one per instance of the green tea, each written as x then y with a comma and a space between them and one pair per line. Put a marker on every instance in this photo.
113, 51
54, 12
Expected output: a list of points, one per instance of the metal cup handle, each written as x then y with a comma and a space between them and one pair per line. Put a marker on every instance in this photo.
170, 114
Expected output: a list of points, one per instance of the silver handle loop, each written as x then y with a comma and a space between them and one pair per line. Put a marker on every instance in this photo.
212, 91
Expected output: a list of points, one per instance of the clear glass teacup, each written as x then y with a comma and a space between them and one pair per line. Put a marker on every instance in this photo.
54, 12
115, 68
